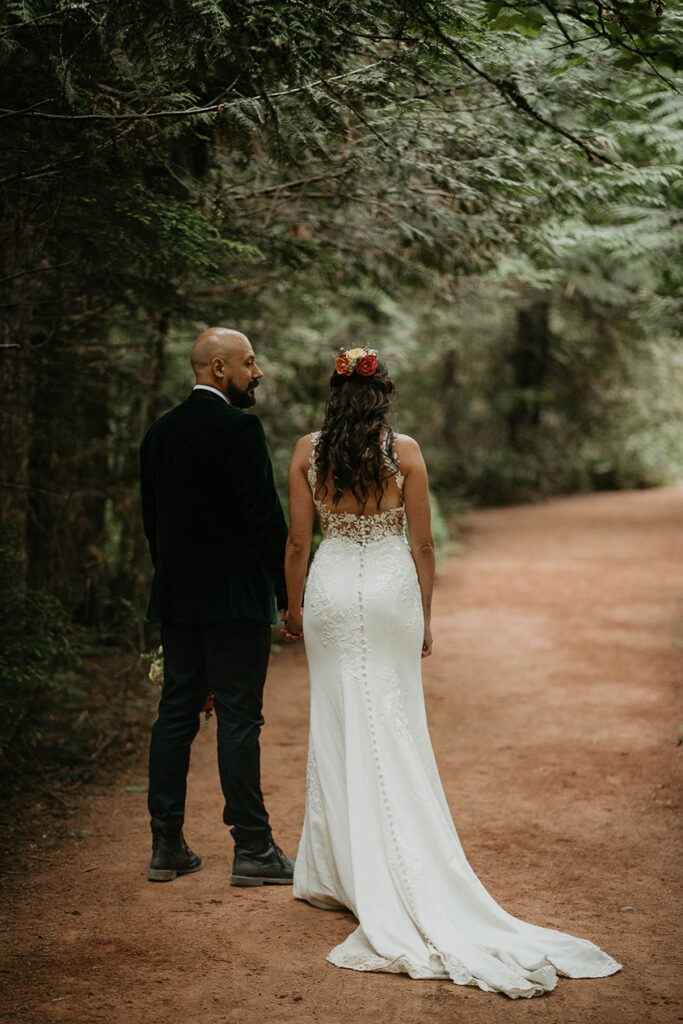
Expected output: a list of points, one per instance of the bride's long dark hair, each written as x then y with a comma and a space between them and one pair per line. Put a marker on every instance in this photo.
351, 448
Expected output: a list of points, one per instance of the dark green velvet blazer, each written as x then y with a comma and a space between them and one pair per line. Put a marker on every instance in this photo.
212, 516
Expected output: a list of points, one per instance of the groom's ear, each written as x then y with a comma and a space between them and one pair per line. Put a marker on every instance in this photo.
218, 367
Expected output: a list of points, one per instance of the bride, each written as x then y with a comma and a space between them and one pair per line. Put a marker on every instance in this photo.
378, 837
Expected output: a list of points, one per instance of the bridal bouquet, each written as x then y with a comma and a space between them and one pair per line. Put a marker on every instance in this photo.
156, 666
156, 676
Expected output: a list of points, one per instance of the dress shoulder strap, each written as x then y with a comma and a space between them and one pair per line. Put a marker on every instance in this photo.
311, 474
393, 462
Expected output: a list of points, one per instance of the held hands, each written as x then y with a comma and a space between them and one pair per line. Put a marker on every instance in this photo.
293, 625
427, 642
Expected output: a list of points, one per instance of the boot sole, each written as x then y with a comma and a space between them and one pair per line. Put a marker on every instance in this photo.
168, 874
250, 880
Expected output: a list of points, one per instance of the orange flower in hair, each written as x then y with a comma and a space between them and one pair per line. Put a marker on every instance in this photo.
342, 365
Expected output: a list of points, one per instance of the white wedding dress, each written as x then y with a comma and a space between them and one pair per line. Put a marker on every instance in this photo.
378, 837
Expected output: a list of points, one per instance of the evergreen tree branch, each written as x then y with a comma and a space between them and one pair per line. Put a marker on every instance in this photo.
601, 30
212, 108
37, 270
284, 186
512, 94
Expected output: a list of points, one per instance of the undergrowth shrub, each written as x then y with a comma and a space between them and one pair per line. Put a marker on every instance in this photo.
36, 639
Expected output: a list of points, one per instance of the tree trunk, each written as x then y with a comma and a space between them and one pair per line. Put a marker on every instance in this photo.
133, 565
68, 473
529, 360
159, 338
15, 429
16, 401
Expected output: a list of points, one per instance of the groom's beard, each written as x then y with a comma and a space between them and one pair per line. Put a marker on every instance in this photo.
242, 399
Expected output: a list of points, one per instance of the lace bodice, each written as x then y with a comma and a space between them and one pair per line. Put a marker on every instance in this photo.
361, 529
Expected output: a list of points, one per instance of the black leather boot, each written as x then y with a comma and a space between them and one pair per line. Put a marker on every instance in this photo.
171, 857
261, 863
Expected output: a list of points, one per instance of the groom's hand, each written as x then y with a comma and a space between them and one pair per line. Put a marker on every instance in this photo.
293, 625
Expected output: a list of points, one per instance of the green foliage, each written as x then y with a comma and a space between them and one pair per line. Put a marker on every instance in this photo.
609, 403
426, 177
642, 31
36, 639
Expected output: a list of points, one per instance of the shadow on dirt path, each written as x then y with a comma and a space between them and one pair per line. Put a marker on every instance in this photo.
551, 705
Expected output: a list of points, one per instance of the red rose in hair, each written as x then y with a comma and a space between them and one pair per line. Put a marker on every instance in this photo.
366, 366
343, 366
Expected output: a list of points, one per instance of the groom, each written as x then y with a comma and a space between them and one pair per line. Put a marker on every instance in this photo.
217, 536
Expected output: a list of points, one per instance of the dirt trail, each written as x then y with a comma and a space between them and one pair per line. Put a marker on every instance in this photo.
551, 703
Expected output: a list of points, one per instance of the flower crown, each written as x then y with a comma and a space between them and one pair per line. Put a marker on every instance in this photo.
357, 360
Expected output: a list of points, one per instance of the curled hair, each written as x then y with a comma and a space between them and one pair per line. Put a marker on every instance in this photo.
350, 446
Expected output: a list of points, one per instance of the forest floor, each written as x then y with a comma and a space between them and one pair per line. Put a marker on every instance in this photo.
552, 710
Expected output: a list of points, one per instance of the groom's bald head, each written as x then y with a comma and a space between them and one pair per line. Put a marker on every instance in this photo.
224, 359
216, 342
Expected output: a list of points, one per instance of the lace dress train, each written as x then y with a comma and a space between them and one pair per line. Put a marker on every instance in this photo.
378, 837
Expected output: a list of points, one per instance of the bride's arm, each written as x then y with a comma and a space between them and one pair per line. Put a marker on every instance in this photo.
301, 513
418, 514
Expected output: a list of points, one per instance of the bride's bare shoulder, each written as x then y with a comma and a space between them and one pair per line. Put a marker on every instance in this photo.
409, 455
302, 449
406, 446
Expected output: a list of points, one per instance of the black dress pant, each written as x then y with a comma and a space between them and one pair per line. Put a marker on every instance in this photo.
229, 660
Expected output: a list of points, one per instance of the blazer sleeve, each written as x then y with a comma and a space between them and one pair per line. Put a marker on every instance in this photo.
148, 498
255, 487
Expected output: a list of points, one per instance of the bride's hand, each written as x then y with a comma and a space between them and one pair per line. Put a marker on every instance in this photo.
427, 642
293, 625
